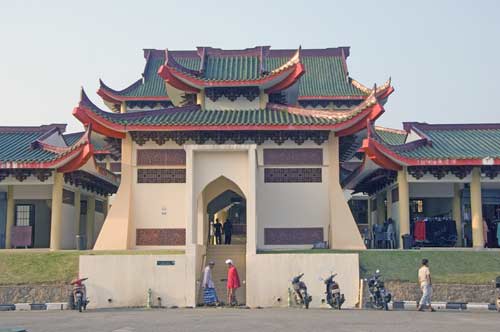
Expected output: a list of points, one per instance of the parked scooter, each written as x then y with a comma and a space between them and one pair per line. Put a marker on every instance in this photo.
300, 291
79, 292
333, 296
379, 296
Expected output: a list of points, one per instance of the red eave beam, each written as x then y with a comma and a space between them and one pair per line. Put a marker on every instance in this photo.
289, 80
171, 79
377, 157
101, 126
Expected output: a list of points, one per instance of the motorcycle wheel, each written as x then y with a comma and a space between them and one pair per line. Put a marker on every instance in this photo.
336, 301
79, 304
306, 299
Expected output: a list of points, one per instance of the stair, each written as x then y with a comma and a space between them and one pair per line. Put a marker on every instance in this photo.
219, 254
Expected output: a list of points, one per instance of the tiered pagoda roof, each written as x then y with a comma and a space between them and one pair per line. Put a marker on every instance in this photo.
273, 117
322, 73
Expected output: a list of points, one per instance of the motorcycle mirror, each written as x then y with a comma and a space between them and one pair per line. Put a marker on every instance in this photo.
378, 271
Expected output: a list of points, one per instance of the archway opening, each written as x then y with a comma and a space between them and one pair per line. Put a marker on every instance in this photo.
227, 219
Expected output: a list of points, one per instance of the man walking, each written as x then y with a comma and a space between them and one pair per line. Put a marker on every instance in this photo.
424, 279
228, 231
233, 282
218, 232
209, 293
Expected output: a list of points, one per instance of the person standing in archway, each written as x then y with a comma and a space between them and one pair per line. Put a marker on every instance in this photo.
233, 282
218, 232
228, 231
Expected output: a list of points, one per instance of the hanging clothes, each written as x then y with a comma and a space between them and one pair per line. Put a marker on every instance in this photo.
419, 231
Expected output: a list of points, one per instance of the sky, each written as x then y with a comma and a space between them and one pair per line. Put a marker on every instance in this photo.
443, 56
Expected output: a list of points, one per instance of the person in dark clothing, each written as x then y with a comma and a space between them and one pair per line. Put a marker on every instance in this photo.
218, 231
228, 231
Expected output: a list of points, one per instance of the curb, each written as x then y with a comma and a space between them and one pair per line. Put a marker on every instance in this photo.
34, 306
459, 306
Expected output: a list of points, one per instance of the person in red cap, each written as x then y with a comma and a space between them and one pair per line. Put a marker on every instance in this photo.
233, 282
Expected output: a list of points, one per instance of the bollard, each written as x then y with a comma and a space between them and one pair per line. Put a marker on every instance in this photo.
289, 299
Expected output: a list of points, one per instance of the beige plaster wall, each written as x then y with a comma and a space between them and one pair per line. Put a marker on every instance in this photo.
241, 103
264, 289
126, 279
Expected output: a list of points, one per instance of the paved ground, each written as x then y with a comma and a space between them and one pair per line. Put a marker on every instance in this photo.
201, 320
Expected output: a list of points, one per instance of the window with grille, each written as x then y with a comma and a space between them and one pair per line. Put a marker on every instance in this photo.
24, 214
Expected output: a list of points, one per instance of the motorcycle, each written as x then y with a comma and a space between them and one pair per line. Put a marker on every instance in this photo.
379, 296
79, 291
333, 296
300, 291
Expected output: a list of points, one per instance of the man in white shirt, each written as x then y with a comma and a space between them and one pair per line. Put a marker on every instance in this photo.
209, 293
424, 279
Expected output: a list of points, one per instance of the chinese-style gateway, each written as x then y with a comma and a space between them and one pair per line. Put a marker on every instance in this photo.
270, 140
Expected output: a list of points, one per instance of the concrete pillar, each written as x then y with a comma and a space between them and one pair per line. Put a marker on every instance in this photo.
78, 198
56, 211
380, 208
107, 160
10, 217
457, 212
252, 202
476, 209
388, 198
263, 99
123, 107
90, 221
404, 205
200, 99
369, 212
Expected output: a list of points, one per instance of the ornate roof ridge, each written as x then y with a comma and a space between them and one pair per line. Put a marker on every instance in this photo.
33, 129
424, 126
391, 130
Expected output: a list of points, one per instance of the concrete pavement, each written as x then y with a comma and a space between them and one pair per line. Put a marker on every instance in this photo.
201, 320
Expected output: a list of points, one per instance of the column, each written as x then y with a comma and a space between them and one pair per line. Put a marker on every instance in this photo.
457, 212
78, 197
263, 99
252, 237
123, 107
10, 217
200, 99
56, 211
388, 198
90, 221
380, 208
107, 160
476, 206
404, 205
369, 220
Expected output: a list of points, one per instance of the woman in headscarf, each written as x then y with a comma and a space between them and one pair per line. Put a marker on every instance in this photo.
209, 293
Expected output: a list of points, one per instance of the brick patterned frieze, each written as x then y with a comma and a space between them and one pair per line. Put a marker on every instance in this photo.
292, 175
293, 236
174, 175
293, 156
161, 157
160, 237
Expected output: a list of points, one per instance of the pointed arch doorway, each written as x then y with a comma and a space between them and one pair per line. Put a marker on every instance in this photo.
223, 199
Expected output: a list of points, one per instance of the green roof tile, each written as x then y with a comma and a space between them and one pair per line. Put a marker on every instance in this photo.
325, 74
16, 147
459, 144
391, 137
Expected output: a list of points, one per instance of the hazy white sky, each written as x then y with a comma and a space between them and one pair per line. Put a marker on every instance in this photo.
443, 56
